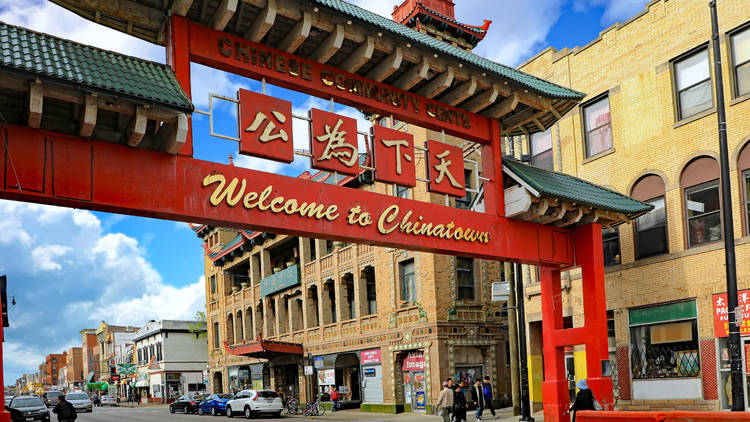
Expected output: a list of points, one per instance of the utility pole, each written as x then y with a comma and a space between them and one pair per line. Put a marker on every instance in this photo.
735, 359
515, 381
525, 402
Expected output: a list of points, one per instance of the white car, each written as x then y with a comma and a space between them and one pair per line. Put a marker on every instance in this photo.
108, 401
80, 401
250, 403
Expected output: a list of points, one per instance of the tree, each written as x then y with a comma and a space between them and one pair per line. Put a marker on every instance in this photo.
199, 328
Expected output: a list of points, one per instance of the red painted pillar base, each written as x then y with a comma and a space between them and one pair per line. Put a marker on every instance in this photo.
4, 416
555, 394
602, 389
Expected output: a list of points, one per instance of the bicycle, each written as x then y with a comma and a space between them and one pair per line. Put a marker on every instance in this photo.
291, 407
314, 409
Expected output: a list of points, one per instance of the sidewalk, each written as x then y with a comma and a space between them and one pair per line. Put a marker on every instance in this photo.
504, 415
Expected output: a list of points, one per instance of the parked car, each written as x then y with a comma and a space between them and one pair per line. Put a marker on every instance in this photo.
251, 403
80, 401
215, 404
51, 398
28, 408
188, 403
108, 401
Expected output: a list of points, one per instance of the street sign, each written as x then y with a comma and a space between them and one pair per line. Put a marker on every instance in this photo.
308, 370
500, 291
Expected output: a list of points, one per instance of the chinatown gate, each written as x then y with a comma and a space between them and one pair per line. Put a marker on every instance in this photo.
142, 164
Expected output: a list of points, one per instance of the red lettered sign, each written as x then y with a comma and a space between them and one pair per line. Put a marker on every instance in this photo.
333, 142
394, 156
370, 356
265, 126
446, 168
721, 313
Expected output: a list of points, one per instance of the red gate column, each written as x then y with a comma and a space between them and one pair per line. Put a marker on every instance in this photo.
178, 58
555, 385
590, 257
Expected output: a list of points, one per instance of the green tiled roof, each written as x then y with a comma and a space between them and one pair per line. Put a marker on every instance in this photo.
43, 55
564, 186
525, 80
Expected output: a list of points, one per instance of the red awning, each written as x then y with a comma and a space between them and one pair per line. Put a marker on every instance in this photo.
264, 349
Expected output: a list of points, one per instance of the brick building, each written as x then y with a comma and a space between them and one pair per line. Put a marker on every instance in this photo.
648, 128
89, 355
108, 338
74, 365
52, 364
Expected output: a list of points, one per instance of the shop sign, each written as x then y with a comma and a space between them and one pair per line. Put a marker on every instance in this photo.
747, 361
370, 372
265, 126
414, 362
327, 377
420, 399
721, 313
141, 377
370, 356
308, 370
115, 377
257, 384
318, 361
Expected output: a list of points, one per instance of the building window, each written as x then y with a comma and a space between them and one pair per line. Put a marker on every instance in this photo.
401, 191
158, 352
651, 231
329, 246
597, 126
541, 150
741, 61
703, 213
693, 84
465, 278
746, 179
611, 244
216, 335
213, 284
664, 341
372, 300
465, 202
408, 282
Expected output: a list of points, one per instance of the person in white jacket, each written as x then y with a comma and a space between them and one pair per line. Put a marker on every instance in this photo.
445, 401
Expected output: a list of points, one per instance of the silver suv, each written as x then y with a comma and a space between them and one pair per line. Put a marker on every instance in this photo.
80, 401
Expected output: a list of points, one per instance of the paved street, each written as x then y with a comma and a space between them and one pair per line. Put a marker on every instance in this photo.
149, 414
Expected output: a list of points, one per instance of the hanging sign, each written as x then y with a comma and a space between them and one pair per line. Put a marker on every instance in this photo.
265, 126
334, 142
721, 313
394, 156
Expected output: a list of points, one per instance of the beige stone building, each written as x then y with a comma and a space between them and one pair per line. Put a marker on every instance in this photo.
648, 128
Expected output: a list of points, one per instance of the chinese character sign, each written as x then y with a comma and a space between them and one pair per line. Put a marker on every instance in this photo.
265, 126
446, 169
721, 313
333, 142
394, 156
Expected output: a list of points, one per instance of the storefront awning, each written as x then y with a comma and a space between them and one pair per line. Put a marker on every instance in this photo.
141, 384
97, 386
264, 349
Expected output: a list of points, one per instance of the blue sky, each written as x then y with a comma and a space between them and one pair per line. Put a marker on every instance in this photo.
70, 269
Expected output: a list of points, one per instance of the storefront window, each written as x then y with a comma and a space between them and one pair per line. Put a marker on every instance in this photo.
703, 213
664, 341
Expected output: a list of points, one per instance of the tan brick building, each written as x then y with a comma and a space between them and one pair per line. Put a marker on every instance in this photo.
89, 355
648, 128
74, 363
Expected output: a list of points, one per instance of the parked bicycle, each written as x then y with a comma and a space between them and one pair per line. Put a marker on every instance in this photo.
314, 409
291, 406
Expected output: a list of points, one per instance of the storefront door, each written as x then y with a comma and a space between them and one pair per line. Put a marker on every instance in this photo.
372, 384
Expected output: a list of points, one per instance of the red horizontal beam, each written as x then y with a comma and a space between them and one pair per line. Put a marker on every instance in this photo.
69, 171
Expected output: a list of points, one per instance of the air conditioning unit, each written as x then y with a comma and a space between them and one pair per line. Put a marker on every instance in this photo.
500, 291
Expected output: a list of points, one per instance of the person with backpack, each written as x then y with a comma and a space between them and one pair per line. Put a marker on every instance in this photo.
65, 411
335, 396
487, 389
584, 399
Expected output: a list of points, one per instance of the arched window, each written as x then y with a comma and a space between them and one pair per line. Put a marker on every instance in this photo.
702, 202
651, 228
743, 165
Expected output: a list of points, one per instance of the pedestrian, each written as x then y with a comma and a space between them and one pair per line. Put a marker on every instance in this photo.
450, 383
335, 399
96, 399
445, 401
584, 399
477, 396
459, 404
487, 389
64, 410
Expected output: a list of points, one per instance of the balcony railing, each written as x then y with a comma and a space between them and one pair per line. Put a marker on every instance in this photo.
330, 331
349, 327
368, 323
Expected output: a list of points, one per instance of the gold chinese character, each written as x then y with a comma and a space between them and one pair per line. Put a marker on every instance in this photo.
443, 169
267, 135
398, 144
336, 140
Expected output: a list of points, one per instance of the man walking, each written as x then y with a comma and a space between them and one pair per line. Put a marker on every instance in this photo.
477, 396
487, 387
64, 410
445, 401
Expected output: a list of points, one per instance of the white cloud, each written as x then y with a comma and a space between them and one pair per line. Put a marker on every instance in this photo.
614, 10
15, 353
45, 255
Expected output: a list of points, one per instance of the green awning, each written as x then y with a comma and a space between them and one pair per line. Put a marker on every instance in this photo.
97, 386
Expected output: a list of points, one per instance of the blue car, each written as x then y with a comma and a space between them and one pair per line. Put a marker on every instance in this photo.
215, 404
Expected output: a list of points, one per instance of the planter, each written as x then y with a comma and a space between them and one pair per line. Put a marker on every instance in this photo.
235, 289
244, 284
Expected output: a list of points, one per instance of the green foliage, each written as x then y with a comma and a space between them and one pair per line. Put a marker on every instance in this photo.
199, 328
